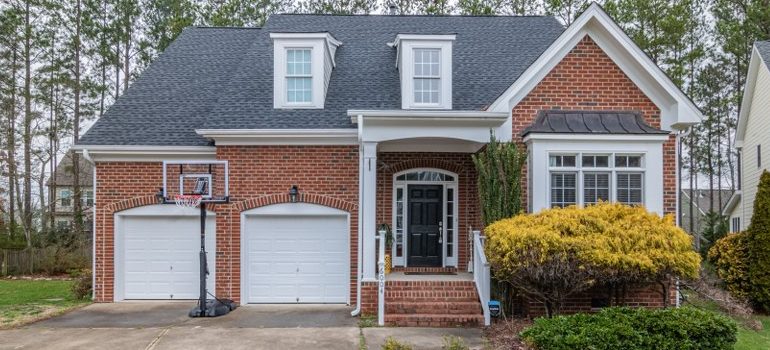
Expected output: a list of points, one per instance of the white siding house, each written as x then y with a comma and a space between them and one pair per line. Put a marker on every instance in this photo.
753, 137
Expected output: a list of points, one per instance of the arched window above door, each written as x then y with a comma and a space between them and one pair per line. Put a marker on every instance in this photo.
425, 175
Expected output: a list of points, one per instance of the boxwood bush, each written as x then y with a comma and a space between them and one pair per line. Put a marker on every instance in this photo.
631, 329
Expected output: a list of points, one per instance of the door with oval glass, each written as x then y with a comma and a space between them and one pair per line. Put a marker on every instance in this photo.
425, 225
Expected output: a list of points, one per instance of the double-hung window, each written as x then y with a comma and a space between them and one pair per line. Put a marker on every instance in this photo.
564, 174
299, 76
427, 76
66, 198
588, 178
596, 178
629, 179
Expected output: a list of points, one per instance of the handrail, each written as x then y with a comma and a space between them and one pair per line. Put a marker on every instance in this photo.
481, 274
381, 280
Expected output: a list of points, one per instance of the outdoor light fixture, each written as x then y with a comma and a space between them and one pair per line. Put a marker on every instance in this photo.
293, 194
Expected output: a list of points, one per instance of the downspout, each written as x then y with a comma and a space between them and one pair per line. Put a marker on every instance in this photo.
90, 160
357, 310
678, 148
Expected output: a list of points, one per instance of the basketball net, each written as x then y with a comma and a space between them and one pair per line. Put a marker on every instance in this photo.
188, 200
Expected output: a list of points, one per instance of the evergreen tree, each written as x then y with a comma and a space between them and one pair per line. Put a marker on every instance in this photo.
759, 246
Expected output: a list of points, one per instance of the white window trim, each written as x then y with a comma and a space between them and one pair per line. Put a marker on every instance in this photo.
323, 47
611, 169
403, 184
406, 45
651, 149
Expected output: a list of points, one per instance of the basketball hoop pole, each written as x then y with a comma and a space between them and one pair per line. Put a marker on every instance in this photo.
202, 257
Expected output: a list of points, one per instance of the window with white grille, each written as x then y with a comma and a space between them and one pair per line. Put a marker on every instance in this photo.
585, 179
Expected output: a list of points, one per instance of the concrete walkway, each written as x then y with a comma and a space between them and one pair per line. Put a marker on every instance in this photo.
165, 326
422, 338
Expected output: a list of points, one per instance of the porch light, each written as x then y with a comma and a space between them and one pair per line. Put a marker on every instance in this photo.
293, 194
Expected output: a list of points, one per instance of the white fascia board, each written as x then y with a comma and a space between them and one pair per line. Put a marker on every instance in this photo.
125, 153
399, 114
321, 35
748, 94
656, 138
594, 22
228, 137
421, 37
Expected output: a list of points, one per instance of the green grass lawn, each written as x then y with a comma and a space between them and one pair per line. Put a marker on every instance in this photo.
23, 301
750, 339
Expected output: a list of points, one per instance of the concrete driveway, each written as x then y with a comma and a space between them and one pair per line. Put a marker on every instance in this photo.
165, 325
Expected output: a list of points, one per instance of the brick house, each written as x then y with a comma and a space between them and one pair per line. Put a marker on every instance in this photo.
373, 119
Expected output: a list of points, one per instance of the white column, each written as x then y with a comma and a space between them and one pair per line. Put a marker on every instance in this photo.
368, 202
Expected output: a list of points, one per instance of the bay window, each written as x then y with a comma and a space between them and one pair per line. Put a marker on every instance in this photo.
585, 179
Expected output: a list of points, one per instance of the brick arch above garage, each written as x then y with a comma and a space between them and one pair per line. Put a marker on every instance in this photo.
309, 198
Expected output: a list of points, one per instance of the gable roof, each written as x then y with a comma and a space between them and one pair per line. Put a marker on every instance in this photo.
222, 78
677, 110
590, 122
64, 176
702, 198
760, 57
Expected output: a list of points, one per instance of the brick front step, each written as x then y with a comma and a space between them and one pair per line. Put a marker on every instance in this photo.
432, 304
436, 307
434, 320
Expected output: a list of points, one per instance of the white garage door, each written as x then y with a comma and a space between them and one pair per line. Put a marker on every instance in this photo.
296, 258
157, 253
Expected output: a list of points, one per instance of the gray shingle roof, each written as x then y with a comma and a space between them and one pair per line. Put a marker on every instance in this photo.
221, 78
764, 50
590, 122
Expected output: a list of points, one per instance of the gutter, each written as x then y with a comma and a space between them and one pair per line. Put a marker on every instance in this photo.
87, 157
448, 115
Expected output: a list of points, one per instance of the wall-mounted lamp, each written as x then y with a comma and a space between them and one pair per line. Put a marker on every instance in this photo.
293, 194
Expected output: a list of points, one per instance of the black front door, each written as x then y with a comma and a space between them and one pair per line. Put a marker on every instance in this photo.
425, 216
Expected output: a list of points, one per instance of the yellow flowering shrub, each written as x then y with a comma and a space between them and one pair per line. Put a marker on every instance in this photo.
730, 258
558, 252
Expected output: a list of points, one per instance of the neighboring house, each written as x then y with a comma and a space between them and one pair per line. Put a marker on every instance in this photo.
752, 138
63, 183
701, 200
375, 120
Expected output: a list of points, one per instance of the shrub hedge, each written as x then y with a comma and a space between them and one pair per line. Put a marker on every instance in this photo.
634, 329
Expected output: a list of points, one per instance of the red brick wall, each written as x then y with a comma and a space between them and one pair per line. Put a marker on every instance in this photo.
259, 175
587, 79
120, 186
469, 215
640, 296
262, 175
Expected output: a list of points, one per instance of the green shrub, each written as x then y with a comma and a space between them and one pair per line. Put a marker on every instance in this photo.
454, 343
634, 329
730, 258
759, 246
83, 285
393, 344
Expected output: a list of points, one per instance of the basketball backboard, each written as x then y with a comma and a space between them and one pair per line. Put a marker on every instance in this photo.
207, 178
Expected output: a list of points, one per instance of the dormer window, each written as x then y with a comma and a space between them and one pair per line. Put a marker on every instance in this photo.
299, 76
427, 76
302, 67
425, 66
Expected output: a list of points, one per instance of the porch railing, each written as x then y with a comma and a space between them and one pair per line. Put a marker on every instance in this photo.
481, 274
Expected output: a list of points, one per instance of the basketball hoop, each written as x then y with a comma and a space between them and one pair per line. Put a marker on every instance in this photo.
188, 200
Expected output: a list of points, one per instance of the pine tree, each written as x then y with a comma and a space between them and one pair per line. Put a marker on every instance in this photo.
759, 246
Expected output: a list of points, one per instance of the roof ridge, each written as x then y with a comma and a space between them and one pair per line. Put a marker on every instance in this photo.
407, 15
224, 27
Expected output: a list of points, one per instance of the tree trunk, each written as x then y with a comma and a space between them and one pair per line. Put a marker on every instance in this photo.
77, 203
11, 151
27, 136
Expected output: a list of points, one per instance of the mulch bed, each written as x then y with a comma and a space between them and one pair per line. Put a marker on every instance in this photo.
504, 334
